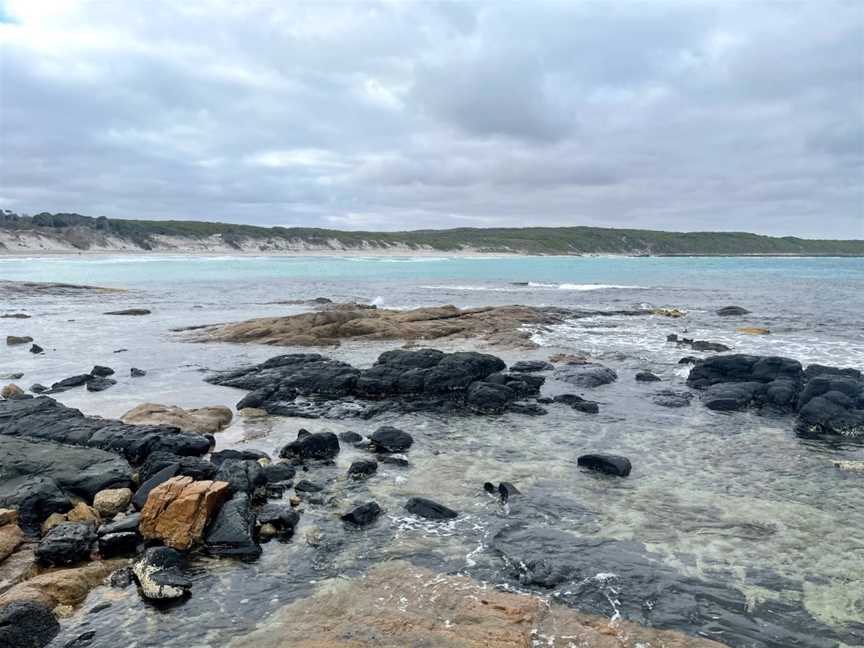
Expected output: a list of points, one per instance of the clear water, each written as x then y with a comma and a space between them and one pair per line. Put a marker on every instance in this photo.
752, 522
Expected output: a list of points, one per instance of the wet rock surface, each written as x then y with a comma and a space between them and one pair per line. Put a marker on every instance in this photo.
178, 510
586, 375
204, 420
66, 544
161, 574
429, 509
27, 624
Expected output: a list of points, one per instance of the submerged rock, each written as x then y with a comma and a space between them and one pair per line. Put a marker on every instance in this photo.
729, 311
578, 403
27, 624
672, 398
101, 371
363, 468
391, 439
531, 366
134, 372
647, 376
586, 375
280, 516
160, 574
14, 340
606, 463
129, 311
428, 509
100, 384
362, 515
204, 420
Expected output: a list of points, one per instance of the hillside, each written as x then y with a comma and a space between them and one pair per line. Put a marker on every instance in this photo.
73, 232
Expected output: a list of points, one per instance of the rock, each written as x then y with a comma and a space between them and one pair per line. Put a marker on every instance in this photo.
578, 403
135, 372
242, 475
11, 536
45, 419
743, 368
35, 498
52, 521
393, 461
428, 509
177, 511
586, 375
83, 513
350, 437
279, 472
17, 375
669, 312
112, 501
531, 366
194, 467
71, 382
101, 371
609, 464
232, 531
129, 311
119, 538
161, 476
321, 445
306, 486
843, 464
27, 624
252, 412
38, 388
126, 523
281, 517
363, 468
672, 398
67, 544
36, 349
390, 439
217, 458
689, 360
15, 316
205, 420
832, 403
702, 345
489, 398
67, 587
752, 330
362, 515
160, 574
507, 490
13, 340
647, 376
8, 516
729, 311
100, 384
11, 391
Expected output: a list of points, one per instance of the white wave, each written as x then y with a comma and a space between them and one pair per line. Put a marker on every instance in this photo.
569, 286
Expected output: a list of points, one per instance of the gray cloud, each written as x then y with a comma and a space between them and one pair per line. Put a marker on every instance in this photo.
694, 116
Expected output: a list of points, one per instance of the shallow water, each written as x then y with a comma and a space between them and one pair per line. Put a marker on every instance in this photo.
730, 526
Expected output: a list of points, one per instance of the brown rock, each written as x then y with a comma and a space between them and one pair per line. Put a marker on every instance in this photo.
12, 340
669, 312
62, 586
445, 612
10, 537
83, 513
53, 520
252, 412
8, 516
112, 501
18, 566
205, 420
11, 391
753, 330
178, 509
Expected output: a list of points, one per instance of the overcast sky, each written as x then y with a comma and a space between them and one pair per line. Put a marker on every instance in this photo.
680, 115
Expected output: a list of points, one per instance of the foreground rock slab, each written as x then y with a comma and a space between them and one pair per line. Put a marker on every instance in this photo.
442, 612
204, 420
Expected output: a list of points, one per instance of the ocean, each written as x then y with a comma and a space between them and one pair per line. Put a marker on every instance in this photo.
729, 527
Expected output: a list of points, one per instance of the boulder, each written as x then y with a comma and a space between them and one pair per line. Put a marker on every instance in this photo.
68, 586
280, 516
100, 384
586, 375
531, 366
27, 624
160, 574
232, 531
362, 515
11, 391
35, 498
119, 538
363, 468
52, 521
178, 510
743, 368
101, 371
35, 348
391, 439
426, 508
647, 376
489, 398
217, 458
605, 463
14, 340
11, 536
194, 467
135, 372
67, 544
38, 388
306, 486
350, 437
139, 499
279, 472
704, 345
8, 516
730, 311
83, 513
204, 420
578, 403
833, 403
70, 382
242, 475
321, 445
111, 501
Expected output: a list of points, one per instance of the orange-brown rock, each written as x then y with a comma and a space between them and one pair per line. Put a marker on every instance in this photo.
177, 510
62, 586
10, 537
397, 605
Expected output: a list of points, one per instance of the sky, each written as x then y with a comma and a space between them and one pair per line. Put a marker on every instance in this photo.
678, 115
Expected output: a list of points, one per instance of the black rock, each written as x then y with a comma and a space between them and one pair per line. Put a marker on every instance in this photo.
728, 311
139, 499
506, 490
283, 518
232, 531
306, 486
586, 375
101, 371
66, 544
194, 467
391, 439
27, 624
38, 388
528, 409
136, 373
321, 445
121, 578
704, 345
35, 348
84, 639
743, 368
350, 437
672, 337
70, 382
531, 366
689, 360
578, 403
279, 472
35, 498
489, 487
127, 523
489, 398
832, 402
129, 311
428, 509
243, 475
647, 376
363, 468
160, 574
609, 464
363, 514
100, 384
217, 458
122, 543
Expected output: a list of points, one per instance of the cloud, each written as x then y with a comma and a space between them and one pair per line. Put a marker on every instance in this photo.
381, 115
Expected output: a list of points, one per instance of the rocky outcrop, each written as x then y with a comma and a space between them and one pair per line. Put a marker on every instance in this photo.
827, 400
445, 612
178, 510
204, 420
43, 418
310, 385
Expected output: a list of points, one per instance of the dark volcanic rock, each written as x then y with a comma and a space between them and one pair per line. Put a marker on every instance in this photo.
531, 366
38, 388
229, 453
743, 368
647, 376
350, 437
728, 311
137, 373
306, 486
35, 348
100, 384
129, 311
586, 375
194, 467
279, 472
35, 498
160, 574
578, 403
101, 371
45, 419
704, 345
121, 543
428, 509
363, 468
139, 499
832, 402
283, 518
310, 385
232, 531
243, 475
321, 445
70, 382
391, 439
609, 464
363, 515
66, 544
27, 624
